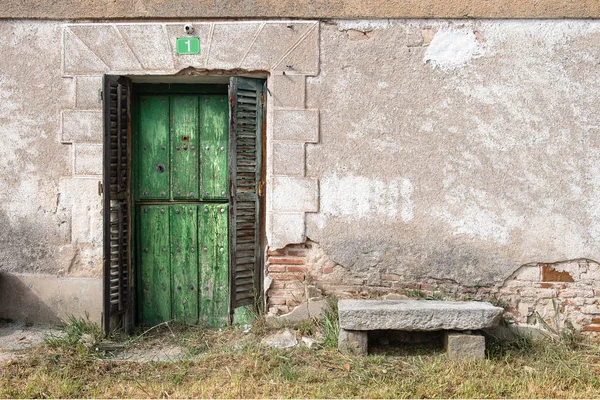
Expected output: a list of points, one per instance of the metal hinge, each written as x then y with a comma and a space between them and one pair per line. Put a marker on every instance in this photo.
262, 99
100, 95
261, 188
100, 189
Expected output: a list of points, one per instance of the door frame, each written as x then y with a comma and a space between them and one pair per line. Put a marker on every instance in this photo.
129, 317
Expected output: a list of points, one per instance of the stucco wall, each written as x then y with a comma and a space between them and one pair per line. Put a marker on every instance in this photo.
35, 222
456, 151
406, 151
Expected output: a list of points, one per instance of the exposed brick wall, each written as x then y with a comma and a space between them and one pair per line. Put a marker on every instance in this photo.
563, 294
287, 268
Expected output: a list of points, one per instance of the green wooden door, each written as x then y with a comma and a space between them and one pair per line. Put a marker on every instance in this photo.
181, 144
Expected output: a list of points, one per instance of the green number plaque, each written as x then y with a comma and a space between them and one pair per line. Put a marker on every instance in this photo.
188, 45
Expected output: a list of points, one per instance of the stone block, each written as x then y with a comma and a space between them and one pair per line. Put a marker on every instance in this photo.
460, 346
417, 315
280, 340
288, 158
49, 298
353, 342
274, 40
312, 308
296, 125
106, 42
78, 58
81, 126
286, 228
150, 44
201, 30
229, 44
88, 159
292, 194
289, 91
304, 57
80, 196
87, 92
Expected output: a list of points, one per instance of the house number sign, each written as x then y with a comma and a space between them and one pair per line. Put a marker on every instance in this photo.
188, 45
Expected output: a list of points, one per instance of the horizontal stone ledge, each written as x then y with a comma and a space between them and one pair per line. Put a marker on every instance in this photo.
417, 315
109, 9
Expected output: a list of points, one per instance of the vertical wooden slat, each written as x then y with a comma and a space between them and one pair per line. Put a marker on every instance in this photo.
214, 257
184, 262
246, 97
153, 148
154, 264
184, 147
214, 146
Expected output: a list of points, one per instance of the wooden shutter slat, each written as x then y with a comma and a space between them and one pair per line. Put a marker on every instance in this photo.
116, 182
247, 116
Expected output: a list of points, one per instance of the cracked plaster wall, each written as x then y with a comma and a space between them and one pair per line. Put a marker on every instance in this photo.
454, 150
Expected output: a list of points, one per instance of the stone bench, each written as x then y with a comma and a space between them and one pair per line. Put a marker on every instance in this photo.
455, 318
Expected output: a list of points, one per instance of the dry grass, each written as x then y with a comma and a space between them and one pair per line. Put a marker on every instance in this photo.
231, 364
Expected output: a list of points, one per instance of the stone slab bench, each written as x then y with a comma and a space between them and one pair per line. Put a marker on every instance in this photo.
357, 317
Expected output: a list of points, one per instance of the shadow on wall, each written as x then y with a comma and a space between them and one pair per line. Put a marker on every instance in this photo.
48, 299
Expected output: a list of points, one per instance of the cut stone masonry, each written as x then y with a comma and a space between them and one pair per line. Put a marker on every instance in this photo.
286, 50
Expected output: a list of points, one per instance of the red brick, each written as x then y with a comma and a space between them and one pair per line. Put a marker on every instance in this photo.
549, 274
295, 268
296, 246
327, 270
295, 253
285, 260
592, 328
276, 252
290, 276
276, 268
546, 285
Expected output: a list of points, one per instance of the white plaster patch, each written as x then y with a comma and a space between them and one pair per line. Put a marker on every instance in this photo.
406, 191
452, 48
478, 214
363, 197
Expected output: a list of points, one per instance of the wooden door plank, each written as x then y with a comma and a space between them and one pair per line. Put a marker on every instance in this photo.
153, 148
184, 147
184, 262
214, 261
214, 115
154, 287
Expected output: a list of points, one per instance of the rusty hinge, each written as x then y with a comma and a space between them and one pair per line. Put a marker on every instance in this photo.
100, 188
261, 188
100, 95
262, 99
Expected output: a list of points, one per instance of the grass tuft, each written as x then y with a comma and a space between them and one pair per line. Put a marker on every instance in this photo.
329, 325
77, 333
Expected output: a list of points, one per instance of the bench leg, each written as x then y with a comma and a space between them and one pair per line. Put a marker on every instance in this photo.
354, 342
461, 346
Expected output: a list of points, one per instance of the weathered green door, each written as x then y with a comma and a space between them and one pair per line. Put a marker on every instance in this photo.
181, 195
